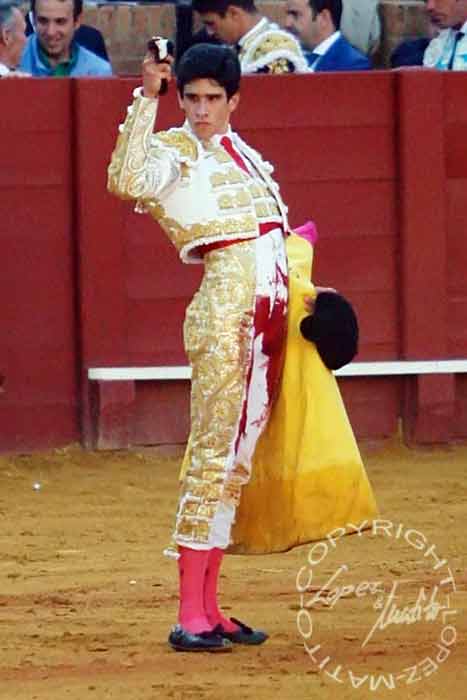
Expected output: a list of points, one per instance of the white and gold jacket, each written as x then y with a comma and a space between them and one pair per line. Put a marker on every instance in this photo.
266, 48
194, 189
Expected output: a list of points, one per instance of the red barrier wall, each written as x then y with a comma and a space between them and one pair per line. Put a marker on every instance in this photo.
38, 335
433, 283
357, 153
455, 136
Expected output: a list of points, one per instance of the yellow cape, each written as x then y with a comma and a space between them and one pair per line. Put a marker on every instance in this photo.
308, 477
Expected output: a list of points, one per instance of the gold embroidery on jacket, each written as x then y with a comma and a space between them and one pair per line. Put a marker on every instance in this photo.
261, 210
180, 141
274, 209
255, 191
280, 66
225, 201
275, 42
231, 177
134, 173
181, 235
126, 176
232, 201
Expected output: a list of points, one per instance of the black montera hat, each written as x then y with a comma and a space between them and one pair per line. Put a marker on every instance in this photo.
333, 327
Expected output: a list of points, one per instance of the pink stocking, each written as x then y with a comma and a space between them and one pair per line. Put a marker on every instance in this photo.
215, 616
192, 572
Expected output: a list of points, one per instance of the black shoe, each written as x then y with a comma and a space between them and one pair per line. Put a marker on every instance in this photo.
244, 635
180, 640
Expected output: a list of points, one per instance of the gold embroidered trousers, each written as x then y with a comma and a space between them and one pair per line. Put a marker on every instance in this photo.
234, 335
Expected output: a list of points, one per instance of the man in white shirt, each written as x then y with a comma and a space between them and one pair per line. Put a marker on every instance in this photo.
448, 50
317, 24
12, 36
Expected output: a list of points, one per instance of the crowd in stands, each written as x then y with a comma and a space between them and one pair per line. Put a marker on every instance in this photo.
50, 41
317, 36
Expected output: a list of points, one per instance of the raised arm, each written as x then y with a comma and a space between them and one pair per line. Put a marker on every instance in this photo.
138, 169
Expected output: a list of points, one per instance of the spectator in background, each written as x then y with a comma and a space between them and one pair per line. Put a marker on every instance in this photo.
12, 36
448, 50
361, 24
202, 36
52, 50
410, 52
261, 45
317, 24
87, 36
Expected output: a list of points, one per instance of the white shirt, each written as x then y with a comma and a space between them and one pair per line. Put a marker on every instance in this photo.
439, 51
323, 47
4, 70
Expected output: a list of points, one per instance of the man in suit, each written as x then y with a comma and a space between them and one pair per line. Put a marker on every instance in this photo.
411, 51
317, 24
448, 50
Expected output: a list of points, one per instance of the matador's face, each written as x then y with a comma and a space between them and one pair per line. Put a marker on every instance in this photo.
207, 107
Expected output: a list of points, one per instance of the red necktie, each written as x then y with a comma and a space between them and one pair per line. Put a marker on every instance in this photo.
229, 147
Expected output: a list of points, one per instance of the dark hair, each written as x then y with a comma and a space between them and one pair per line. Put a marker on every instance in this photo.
77, 7
219, 63
220, 6
202, 36
334, 8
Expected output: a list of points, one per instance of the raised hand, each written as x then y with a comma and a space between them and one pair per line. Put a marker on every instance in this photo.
154, 73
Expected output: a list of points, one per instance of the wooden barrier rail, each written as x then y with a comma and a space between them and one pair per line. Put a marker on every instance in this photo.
354, 369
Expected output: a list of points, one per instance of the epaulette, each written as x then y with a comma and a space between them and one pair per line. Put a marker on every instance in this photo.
179, 141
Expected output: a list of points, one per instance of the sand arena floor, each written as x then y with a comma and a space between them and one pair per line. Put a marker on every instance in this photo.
87, 598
